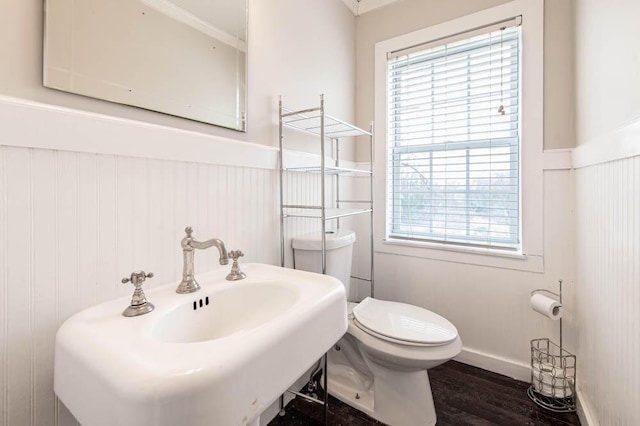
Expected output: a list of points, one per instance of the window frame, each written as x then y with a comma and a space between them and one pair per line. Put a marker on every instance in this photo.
530, 255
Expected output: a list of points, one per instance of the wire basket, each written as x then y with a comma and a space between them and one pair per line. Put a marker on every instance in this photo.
553, 376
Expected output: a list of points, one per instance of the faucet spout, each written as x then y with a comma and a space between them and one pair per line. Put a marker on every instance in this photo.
189, 245
224, 256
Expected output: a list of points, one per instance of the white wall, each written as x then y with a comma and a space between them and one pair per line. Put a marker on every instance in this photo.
608, 66
73, 222
608, 209
299, 50
488, 305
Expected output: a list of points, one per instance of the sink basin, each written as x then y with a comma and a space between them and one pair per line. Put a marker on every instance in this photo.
236, 309
218, 356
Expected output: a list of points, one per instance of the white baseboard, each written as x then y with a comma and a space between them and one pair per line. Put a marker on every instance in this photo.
504, 366
585, 412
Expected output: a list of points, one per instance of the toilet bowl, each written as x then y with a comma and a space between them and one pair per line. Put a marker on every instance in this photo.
380, 365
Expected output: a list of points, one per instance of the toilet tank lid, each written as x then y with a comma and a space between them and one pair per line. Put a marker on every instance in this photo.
313, 241
404, 322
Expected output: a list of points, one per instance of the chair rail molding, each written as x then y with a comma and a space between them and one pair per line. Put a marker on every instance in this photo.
623, 142
30, 124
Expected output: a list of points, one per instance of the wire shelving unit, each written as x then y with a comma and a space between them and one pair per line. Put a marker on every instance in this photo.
316, 122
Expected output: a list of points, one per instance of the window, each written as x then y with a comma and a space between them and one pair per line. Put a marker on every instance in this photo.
453, 139
459, 131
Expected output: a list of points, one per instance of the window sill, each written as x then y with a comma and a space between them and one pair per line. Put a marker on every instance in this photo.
491, 258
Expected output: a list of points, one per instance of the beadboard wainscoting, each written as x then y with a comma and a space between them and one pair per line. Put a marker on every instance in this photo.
608, 298
293, 182
73, 224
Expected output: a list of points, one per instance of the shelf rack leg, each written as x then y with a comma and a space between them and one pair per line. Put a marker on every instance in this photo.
326, 391
322, 188
372, 286
280, 173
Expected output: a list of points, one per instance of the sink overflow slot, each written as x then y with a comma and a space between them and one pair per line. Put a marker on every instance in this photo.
200, 303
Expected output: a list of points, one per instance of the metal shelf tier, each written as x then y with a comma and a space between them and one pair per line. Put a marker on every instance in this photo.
316, 212
329, 170
310, 121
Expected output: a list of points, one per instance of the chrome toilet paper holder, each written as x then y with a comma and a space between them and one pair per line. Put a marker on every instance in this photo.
553, 370
559, 296
544, 290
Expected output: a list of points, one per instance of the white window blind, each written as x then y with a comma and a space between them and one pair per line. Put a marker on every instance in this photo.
453, 139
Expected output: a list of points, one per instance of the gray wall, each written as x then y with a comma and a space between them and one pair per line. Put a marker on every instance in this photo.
411, 15
297, 49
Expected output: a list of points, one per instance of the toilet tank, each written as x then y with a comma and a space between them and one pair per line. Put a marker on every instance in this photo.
307, 254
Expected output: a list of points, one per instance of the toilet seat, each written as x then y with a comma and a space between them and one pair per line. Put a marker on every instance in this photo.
402, 323
390, 339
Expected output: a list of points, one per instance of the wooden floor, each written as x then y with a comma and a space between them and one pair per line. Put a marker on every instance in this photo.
463, 395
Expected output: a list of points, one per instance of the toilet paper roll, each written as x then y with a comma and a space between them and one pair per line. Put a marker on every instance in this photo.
557, 391
546, 306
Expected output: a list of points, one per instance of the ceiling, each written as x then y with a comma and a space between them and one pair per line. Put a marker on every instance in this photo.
214, 18
228, 16
359, 7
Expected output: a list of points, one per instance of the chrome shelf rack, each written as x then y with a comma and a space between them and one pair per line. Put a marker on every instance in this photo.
316, 122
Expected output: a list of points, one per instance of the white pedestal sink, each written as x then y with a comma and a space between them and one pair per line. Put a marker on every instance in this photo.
219, 356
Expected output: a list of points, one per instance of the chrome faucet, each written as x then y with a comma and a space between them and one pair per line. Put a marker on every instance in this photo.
139, 304
236, 274
189, 283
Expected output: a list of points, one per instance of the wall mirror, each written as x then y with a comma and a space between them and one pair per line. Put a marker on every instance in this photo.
186, 58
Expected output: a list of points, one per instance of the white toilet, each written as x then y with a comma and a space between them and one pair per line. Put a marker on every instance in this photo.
380, 365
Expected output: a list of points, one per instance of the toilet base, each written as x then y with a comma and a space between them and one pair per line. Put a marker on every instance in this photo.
350, 392
399, 398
